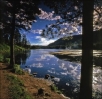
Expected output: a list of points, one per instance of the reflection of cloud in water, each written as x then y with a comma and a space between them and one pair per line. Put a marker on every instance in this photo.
65, 68
64, 73
56, 79
62, 66
97, 78
46, 57
67, 84
37, 65
53, 64
52, 71
70, 69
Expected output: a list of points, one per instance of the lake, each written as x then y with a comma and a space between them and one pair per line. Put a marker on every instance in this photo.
66, 73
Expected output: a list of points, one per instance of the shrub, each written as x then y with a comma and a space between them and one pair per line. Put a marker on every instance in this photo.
18, 70
7, 60
1, 58
55, 89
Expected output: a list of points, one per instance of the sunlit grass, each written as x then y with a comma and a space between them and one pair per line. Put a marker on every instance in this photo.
5, 52
17, 90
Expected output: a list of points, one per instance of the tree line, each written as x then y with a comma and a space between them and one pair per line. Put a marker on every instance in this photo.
20, 40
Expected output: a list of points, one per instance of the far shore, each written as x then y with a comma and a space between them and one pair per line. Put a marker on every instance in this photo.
74, 55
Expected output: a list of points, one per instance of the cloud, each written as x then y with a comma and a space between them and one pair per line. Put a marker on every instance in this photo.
46, 42
39, 31
48, 15
43, 41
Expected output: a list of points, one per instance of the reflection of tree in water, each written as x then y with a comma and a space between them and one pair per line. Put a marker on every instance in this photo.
98, 61
21, 57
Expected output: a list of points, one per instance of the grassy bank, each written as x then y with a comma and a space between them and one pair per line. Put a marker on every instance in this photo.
5, 52
25, 86
17, 90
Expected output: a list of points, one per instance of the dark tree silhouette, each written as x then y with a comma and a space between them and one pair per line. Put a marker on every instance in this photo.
18, 14
87, 51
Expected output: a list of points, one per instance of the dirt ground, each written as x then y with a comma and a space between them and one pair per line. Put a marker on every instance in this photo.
31, 85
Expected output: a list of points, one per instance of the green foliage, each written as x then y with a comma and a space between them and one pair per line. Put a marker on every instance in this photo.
7, 60
17, 90
55, 89
18, 48
18, 70
4, 48
1, 58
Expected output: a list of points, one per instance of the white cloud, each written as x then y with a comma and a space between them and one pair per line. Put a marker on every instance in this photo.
46, 41
37, 37
43, 41
48, 15
39, 31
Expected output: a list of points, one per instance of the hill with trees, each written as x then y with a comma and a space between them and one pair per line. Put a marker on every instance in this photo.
75, 41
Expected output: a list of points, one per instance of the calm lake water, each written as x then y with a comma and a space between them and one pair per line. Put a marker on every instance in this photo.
66, 73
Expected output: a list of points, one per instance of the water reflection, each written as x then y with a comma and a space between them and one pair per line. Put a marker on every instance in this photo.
21, 57
66, 74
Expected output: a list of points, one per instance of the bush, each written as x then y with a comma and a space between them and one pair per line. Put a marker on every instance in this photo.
55, 89
7, 60
1, 58
18, 70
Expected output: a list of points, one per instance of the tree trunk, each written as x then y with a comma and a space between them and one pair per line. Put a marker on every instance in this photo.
12, 56
87, 51
1, 36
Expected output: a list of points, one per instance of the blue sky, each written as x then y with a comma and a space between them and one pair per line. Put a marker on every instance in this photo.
34, 36
45, 18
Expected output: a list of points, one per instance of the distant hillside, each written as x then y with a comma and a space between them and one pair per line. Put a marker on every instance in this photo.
75, 42
67, 42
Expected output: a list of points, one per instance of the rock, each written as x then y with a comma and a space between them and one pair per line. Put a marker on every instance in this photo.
65, 96
34, 74
47, 94
27, 70
52, 77
41, 91
47, 76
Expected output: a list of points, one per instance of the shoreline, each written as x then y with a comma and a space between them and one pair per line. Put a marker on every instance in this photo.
68, 55
74, 55
31, 85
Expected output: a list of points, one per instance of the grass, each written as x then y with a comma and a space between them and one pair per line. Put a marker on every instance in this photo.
5, 52
17, 90
55, 88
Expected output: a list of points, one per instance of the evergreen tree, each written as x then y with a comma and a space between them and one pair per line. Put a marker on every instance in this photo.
17, 15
